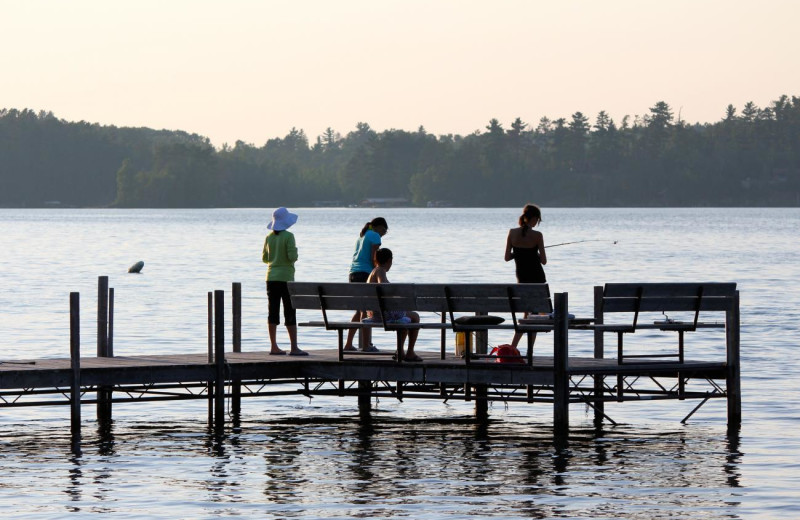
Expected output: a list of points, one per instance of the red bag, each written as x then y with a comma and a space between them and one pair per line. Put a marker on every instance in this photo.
507, 354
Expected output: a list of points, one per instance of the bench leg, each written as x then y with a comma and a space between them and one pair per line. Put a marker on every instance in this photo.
443, 339
531, 341
681, 381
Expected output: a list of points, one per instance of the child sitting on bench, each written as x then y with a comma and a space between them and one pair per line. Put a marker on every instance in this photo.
383, 258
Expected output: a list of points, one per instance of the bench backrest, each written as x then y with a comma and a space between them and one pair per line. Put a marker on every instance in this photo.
343, 296
534, 298
666, 297
480, 297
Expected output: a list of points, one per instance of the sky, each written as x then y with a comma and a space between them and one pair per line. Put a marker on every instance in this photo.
252, 70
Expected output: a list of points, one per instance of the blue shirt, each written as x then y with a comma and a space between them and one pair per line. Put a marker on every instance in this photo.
362, 257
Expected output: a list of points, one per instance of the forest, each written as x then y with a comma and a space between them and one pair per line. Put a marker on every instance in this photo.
749, 157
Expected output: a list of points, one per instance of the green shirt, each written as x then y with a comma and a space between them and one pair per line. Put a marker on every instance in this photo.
280, 253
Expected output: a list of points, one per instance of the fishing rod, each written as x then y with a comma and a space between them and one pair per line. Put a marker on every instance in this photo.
578, 242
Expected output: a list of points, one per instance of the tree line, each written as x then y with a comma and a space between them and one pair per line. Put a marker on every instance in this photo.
750, 157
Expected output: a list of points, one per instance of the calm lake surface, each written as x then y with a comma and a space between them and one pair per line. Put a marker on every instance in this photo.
298, 458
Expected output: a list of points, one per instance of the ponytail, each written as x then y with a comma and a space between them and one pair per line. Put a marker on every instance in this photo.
530, 213
377, 221
365, 228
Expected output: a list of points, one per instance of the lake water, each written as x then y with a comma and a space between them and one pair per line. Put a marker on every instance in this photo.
292, 457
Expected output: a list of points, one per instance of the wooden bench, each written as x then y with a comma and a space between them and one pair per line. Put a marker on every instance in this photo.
447, 300
475, 302
647, 306
350, 297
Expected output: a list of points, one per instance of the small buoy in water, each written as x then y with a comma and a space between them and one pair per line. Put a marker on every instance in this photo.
136, 268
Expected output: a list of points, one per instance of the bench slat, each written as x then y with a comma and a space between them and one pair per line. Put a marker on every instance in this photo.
484, 297
663, 304
669, 290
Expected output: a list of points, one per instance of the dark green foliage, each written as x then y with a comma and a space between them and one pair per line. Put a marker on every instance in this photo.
751, 156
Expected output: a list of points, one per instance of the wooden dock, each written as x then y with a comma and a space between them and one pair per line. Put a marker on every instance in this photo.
228, 374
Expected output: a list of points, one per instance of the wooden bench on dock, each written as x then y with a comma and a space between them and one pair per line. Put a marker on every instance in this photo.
472, 302
655, 306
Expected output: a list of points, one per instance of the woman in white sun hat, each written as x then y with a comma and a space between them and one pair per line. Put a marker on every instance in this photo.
280, 254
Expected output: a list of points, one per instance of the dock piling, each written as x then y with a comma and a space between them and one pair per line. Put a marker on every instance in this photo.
75, 363
104, 344
236, 307
364, 400
210, 383
599, 348
733, 379
561, 376
219, 361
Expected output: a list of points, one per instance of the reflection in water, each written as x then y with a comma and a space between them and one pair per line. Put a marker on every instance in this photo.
322, 467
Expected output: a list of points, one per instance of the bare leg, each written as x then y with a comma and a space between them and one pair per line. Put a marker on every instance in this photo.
352, 332
401, 338
412, 339
295, 351
273, 333
517, 335
367, 338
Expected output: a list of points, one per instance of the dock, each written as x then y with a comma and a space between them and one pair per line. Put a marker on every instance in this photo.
224, 375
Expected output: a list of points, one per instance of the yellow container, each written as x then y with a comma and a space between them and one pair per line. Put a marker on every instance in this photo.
463, 343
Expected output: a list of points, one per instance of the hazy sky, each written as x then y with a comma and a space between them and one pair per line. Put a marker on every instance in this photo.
252, 70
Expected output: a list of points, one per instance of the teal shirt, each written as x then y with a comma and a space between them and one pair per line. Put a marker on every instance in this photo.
362, 256
280, 253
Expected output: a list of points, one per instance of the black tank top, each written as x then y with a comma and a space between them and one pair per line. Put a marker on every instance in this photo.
529, 265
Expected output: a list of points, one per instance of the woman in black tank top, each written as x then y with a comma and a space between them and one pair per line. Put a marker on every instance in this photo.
526, 246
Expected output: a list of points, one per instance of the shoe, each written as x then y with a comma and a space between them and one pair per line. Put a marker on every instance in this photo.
372, 349
298, 352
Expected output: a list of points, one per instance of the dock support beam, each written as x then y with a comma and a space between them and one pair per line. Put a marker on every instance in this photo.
219, 361
561, 377
75, 364
105, 303
365, 400
599, 348
733, 379
210, 383
481, 391
236, 384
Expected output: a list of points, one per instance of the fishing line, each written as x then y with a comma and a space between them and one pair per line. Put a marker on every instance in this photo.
579, 242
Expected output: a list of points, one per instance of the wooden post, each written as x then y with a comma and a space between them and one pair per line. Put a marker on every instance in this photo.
364, 399
599, 405
75, 363
102, 316
481, 392
103, 346
481, 404
733, 379
110, 347
560, 362
219, 359
210, 383
443, 339
236, 384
